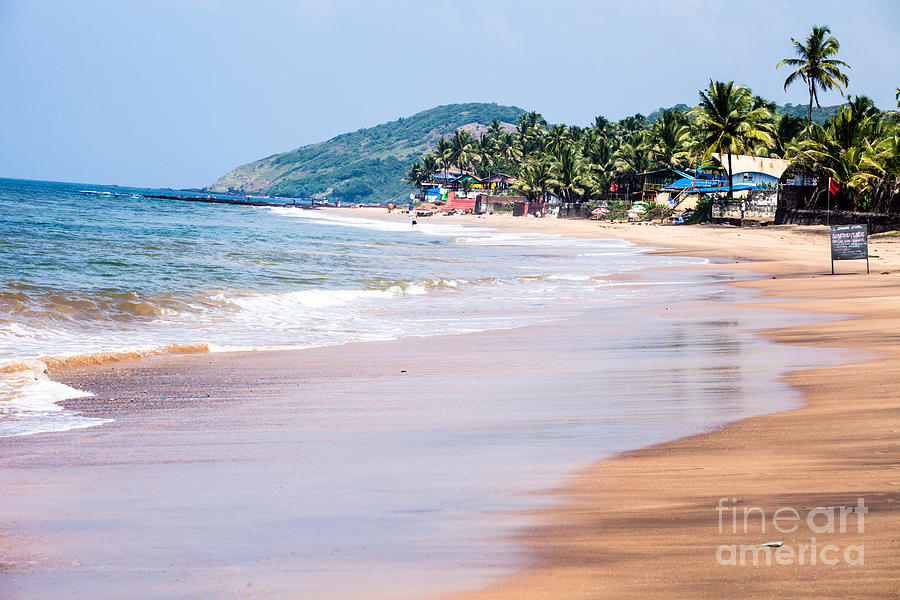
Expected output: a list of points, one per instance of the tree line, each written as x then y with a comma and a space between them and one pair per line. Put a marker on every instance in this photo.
859, 146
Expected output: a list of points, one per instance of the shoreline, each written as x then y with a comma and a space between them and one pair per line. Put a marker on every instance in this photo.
571, 561
163, 421
644, 523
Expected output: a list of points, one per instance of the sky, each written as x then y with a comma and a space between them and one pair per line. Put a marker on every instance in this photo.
175, 93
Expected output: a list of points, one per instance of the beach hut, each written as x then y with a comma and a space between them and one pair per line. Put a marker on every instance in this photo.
655, 182
756, 171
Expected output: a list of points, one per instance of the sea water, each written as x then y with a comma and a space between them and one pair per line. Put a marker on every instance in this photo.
92, 273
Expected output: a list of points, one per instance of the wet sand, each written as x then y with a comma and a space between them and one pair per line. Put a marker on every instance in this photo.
643, 524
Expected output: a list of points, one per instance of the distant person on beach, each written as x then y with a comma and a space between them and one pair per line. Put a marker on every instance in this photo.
414, 224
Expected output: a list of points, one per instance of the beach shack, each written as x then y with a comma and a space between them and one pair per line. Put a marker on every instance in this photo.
749, 173
759, 172
441, 184
498, 183
654, 183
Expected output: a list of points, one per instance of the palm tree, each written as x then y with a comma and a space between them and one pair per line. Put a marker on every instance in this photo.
816, 67
529, 121
600, 152
414, 176
571, 176
531, 141
668, 138
862, 107
787, 128
884, 159
536, 180
495, 129
637, 122
442, 153
461, 151
848, 149
557, 137
429, 165
728, 123
509, 151
484, 150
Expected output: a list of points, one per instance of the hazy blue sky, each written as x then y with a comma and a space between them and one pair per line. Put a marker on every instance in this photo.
177, 92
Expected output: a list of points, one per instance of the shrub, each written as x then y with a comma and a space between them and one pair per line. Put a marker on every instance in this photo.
701, 211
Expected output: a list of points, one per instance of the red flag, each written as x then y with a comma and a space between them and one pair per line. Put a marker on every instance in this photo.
833, 186
614, 187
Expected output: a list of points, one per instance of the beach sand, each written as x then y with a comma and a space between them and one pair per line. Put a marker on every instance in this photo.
642, 524
645, 524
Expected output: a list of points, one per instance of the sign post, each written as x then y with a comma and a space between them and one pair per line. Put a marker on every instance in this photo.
849, 242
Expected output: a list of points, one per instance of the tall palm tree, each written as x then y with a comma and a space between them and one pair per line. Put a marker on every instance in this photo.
637, 122
530, 120
484, 151
495, 129
442, 154
429, 166
535, 181
728, 123
557, 137
787, 128
531, 140
462, 151
600, 124
668, 138
509, 151
414, 175
600, 153
571, 176
846, 149
816, 66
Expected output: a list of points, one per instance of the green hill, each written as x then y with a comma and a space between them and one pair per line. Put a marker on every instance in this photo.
364, 166
819, 115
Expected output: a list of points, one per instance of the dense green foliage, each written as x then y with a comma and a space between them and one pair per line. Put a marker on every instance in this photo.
860, 149
363, 166
857, 144
580, 164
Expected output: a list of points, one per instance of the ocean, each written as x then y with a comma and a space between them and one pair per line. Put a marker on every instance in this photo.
93, 273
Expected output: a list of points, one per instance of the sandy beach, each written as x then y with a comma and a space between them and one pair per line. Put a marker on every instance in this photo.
645, 524
641, 524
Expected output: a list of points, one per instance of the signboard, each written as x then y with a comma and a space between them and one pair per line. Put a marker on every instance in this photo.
849, 242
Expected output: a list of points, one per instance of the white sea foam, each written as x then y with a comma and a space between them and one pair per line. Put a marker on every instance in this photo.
461, 234
29, 402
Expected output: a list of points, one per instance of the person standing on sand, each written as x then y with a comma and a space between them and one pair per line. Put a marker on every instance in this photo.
413, 224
